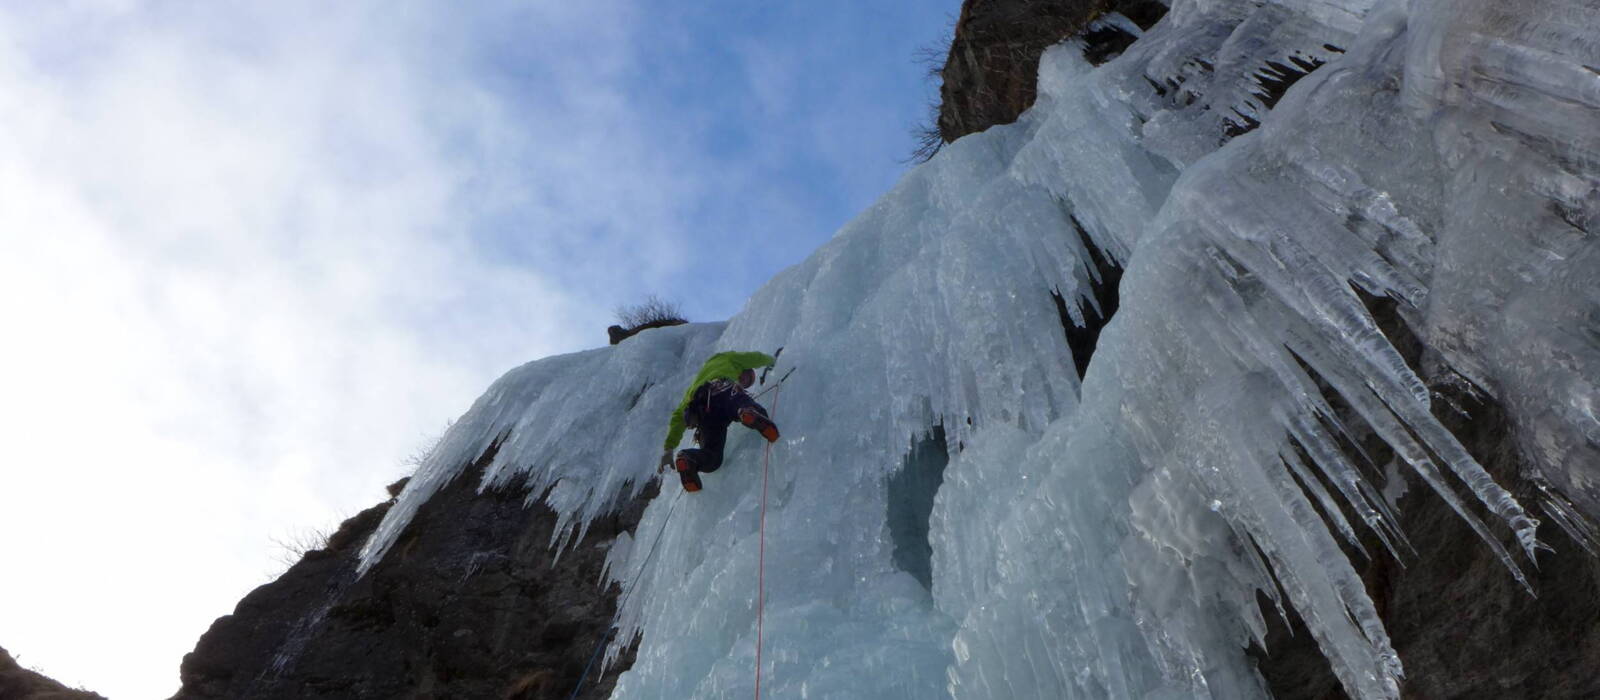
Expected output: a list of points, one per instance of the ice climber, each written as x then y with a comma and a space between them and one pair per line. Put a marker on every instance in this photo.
715, 399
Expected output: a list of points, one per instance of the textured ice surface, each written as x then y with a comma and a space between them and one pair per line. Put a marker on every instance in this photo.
1109, 539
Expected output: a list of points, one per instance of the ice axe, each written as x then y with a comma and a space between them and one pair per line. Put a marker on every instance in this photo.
769, 367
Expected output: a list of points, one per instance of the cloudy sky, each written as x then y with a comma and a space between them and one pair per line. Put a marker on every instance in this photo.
252, 255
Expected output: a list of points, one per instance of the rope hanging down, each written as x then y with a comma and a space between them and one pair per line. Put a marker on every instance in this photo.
761, 562
626, 595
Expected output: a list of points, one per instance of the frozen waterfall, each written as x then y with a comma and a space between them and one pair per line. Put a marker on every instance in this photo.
954, 513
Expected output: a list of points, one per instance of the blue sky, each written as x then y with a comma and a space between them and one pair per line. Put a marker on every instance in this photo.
252, 255
725, 101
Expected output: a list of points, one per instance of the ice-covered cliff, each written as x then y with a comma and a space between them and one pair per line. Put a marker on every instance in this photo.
1316, 280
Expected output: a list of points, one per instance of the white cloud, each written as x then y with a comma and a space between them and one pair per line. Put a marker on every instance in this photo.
250, 257
252, 254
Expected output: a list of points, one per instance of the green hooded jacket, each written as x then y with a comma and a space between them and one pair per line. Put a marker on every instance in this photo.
723, 365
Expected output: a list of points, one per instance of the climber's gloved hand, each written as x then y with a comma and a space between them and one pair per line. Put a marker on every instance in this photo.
666, 461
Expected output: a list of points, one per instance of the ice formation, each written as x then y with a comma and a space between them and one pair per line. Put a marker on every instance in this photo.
1107, 538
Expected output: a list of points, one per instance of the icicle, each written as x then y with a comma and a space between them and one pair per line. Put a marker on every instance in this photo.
1577, 526
1330, 509
1333, 302
1499, 501
1373, 511
1378, 415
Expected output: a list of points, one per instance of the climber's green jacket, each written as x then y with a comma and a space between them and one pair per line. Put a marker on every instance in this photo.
723, 365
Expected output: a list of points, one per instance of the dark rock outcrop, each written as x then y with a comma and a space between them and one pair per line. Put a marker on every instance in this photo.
18, 683
618, 334
469, 603
1462, 625
991, 71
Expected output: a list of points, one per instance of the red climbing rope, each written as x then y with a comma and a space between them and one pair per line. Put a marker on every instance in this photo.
761, 562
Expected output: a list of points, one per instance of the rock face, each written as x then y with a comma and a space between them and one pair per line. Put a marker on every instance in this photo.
991, 70
471, 603
18, 683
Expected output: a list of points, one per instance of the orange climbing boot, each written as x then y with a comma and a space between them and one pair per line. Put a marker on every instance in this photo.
686, 472
753, 420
